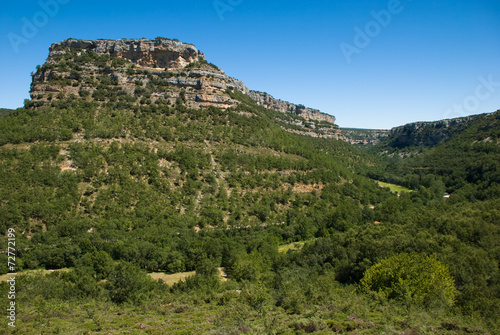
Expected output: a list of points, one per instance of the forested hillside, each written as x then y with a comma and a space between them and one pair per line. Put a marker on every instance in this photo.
467, 161
5, 111
110, 186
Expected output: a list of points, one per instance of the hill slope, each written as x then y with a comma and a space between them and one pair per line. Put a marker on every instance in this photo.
463, 152
134, 155
429, 134
150, 71
5, 111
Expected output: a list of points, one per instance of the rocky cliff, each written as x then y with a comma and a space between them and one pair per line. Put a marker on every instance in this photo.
157, 53
426, 134
429, 133
181, 68
363, 136
270, 102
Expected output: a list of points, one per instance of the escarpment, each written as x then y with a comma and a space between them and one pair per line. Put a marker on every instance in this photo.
158, 53
270, 102
150, 70
430, 134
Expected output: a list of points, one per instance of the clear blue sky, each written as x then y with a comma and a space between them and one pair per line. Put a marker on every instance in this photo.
415, 63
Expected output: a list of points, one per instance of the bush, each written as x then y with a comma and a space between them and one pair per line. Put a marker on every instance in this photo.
412, 278
83, 93
127, 283
98, 264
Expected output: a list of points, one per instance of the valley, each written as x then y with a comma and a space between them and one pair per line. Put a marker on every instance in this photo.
137, 160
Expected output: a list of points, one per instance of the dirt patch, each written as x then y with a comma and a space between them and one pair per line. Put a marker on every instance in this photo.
307, 188
171, 279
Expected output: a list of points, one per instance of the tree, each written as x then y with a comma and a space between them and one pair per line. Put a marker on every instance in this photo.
96, 263
412, 278
127, 283
206, 267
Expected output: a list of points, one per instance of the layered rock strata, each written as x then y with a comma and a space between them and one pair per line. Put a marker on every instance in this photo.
204, 84
160, 52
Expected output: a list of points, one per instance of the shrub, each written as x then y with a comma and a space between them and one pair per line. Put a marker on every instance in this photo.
127, 283
412, 278
83, 93
97, 263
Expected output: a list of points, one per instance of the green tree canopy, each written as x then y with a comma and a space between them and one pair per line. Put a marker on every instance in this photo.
413, 278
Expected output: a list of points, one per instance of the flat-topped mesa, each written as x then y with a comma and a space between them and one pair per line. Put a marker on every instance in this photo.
154, 69
158, 53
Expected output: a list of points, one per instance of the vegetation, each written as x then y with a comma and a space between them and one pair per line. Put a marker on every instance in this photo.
5, 111
394, 188
113, 185
199, 63
414, 279
466, 164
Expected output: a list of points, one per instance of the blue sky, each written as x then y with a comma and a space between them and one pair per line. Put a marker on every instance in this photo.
372, 64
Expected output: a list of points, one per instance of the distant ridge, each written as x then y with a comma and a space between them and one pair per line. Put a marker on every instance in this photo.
430, 133
425, 133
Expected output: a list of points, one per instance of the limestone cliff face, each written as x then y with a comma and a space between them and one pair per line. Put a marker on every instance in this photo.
364, 136
145, 61
160, 52
428, 133
414, 134
270, 102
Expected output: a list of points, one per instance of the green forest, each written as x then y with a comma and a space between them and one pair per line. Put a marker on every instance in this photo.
5, 111
108, 187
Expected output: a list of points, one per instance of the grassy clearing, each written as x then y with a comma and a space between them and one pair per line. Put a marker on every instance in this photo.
171, 279
105, 318
329, 308
189, 314
7, 276
291, 246
394, 188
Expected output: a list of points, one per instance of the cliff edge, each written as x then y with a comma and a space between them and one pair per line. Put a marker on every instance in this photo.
181, 67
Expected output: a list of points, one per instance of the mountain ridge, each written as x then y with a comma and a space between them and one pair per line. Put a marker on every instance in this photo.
424, 133
183, 65
430, 133
186, 68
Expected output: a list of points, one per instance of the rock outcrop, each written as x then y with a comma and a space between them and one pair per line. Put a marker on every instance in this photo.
414, 134
204, 83
363, 136
270, 102
158, 53
428, 133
